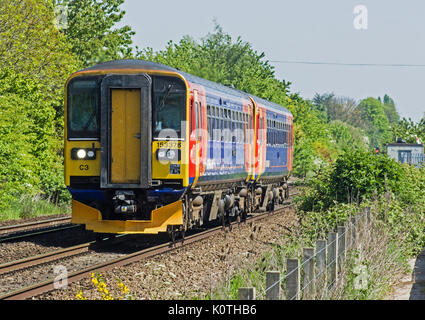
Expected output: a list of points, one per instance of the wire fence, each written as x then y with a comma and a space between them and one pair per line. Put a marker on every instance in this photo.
321, 267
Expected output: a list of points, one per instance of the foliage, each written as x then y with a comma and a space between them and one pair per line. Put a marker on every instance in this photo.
36, 58
377, 124
372, 117
346, 136
92, 32
33, 48
390, 110
408, 130
311, 136
18, 167
35, 61
356, 175
359, 177
220, 59
334, 108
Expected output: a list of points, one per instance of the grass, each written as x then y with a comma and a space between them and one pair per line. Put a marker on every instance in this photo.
30, 207
378, 252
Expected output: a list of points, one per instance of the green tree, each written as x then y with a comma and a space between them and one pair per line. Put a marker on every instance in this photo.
356, 175
378, 126
19, 168
92, 31
35, 60
221, 59
32, 47
390, 110
408, 130
347, 136
321, 103
339, 108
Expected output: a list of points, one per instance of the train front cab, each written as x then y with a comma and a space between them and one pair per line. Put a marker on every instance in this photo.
123, 175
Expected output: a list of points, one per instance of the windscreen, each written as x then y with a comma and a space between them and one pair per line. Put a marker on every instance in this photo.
169, 106
83, 109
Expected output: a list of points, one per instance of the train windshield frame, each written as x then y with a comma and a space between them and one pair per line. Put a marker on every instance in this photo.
83, 108
169, 98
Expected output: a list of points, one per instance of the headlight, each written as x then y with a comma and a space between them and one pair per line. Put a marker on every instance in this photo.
90, 154
168, 155
83, 154
171, 154
161, 154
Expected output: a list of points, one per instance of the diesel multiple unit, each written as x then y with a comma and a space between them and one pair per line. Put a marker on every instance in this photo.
149, 148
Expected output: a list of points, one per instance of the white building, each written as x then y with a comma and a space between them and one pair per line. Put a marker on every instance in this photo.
406, 152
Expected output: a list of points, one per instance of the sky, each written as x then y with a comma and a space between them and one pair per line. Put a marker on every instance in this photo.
380, 33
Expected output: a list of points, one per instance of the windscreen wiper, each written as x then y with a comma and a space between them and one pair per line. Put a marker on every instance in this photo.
92, 116
167, 93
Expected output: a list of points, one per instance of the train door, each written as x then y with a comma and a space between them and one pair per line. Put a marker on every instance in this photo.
125, 136
125, 132
260, 140
249, 138
290, 143
196, 135
202, 132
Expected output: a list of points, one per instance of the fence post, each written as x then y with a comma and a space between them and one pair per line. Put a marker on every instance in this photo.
273, 285
308, 262
246, 293
341, 244
353, 231
349, 230
368, 215
332, 257
321, 254
292, 279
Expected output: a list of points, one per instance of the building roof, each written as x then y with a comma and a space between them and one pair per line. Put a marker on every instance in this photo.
405, 145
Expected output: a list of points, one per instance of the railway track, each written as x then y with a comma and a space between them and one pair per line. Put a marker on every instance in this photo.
44, 258
34, 225
49, 285
25, 230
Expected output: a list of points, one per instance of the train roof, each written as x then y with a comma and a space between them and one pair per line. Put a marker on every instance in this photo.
142, 64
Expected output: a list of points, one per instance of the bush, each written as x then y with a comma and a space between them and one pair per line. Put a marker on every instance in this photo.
18, 167
356, 175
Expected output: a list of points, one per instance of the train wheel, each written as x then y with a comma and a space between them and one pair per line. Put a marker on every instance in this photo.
171, 232
223, 222
175, 233
229, 221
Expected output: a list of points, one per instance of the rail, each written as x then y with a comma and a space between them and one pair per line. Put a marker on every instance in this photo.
49, 285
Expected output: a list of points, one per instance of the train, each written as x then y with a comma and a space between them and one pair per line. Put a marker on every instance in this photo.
150, 149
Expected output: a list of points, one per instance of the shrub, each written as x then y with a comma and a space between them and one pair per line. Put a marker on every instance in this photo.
18, 167
355, 175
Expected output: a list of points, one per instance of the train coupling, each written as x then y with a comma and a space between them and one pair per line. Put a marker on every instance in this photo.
124, 202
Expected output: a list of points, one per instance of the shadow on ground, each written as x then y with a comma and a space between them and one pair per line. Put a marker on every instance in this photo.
418, 278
